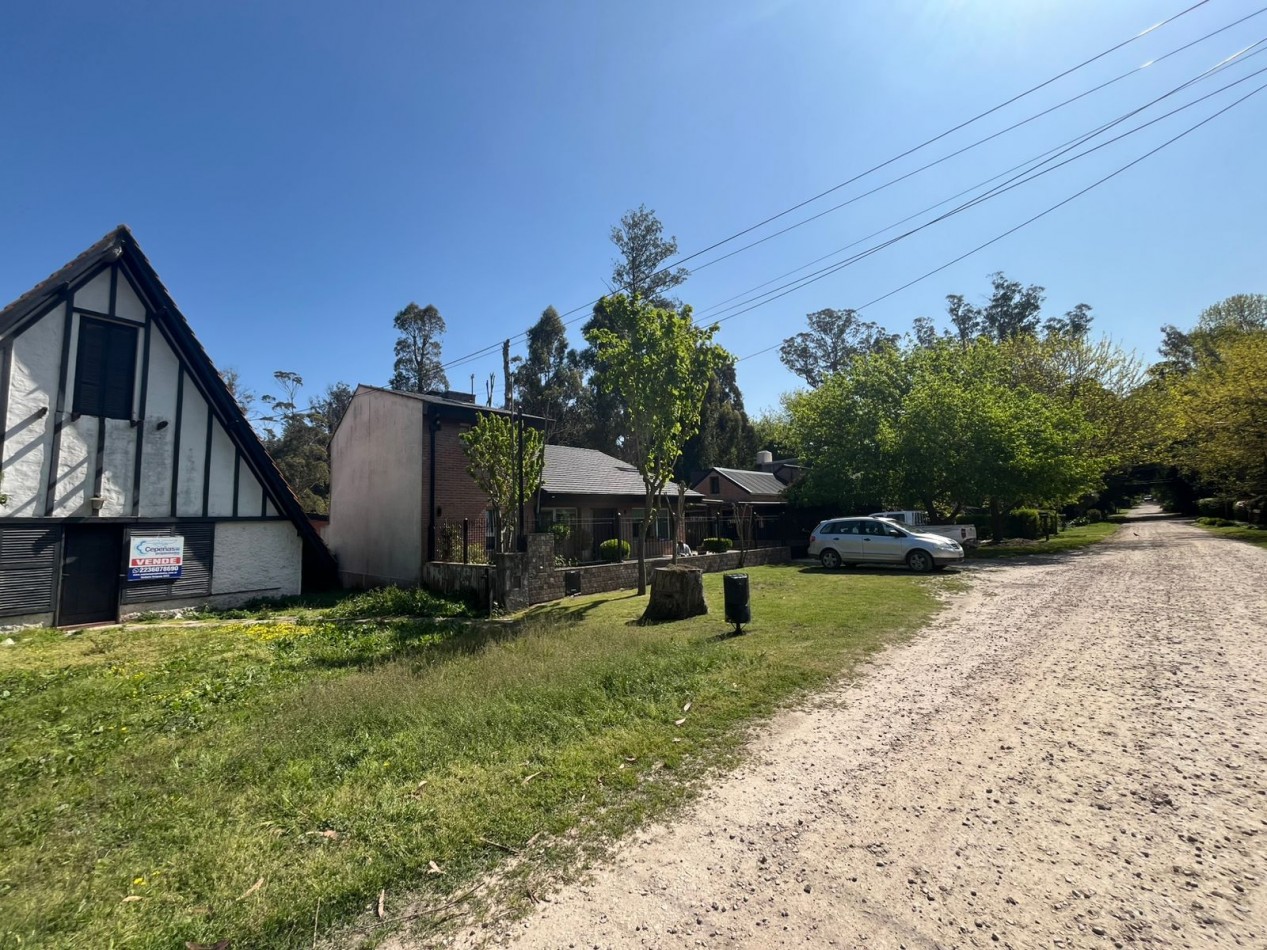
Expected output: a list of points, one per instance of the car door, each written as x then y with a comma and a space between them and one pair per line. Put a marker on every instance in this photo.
886, 543
848, 542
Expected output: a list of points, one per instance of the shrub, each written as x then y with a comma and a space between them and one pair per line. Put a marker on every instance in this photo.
717, 545
561, 531
399, 602
1219, 522
1024, 523
1214, 507
1093, 515
613, 549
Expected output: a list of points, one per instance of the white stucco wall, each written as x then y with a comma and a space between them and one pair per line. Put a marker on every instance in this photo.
95, 295
260, 557
127, 304
37, 356
376, 485
223, 458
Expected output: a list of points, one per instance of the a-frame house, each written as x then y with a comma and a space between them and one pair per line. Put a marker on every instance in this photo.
118, 433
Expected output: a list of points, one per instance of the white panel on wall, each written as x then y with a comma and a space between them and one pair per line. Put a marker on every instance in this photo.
76, 465
263, 556
118, 468
37, 356
269, 510
156, 448
95, 295
193, 451
223, 457
250, 495
127, 304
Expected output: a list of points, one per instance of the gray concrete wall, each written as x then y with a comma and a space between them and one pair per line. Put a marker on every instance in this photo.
376, 491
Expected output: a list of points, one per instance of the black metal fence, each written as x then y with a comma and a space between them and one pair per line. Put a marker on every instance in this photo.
581, 540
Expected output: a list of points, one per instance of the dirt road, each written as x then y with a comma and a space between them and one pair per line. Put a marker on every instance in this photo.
1075, 756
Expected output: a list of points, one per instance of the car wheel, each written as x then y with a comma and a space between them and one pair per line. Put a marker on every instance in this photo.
921, 562
830, 559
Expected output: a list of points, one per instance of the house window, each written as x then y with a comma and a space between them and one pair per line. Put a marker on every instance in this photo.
105, 369
714, 484
661, 526
551, 516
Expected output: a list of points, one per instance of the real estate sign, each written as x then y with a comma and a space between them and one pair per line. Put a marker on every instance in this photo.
155, 559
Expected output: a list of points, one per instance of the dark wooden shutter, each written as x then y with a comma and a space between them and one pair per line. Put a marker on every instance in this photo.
29, 562
195, 572
105, 369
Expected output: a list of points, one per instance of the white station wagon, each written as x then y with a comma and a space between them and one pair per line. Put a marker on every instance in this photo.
847, 541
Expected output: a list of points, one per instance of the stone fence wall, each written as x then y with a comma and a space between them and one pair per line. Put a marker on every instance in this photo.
516, 581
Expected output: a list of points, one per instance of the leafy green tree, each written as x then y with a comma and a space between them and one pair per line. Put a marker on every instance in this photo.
834, 337
1013, 310
725, 437
298, 447
418, 368
492, 448
771, 429
943, 426
639, 272
549, 381
326, 410
660, 366
1182, 351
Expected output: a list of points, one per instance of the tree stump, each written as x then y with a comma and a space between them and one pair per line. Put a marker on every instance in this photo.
676, 593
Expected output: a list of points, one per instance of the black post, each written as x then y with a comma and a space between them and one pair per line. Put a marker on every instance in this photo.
523, 537
466, 540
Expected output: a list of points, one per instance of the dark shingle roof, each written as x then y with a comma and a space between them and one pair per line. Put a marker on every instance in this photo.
754, 483
573, 471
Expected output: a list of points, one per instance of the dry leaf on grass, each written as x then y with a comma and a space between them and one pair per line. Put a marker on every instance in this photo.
382, 899
686, 708
680, 721
252, 889
433, 868
531, 777
132, 898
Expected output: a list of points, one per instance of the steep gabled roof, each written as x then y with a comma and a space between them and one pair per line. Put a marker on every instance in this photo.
120, 245
575, 471
754, 483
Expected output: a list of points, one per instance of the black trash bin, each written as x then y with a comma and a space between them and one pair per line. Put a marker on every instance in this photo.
738, 607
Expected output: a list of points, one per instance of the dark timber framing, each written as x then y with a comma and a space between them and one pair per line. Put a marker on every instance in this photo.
6, 373
119, 251
140, 415
206, 463
99, 467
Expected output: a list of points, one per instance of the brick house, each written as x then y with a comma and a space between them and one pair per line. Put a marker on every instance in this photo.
397, 475
601, 497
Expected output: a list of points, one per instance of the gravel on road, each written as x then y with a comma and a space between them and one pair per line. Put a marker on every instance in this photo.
1073, 755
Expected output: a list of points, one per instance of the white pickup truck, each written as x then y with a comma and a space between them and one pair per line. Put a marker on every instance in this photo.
965, 534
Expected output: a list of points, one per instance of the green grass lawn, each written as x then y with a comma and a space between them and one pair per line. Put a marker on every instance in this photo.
152, 775
1256, 536
1071, 539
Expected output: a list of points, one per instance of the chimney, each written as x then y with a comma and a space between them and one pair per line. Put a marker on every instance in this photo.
764, 459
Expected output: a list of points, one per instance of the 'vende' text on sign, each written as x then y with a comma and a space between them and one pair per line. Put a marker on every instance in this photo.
155, 559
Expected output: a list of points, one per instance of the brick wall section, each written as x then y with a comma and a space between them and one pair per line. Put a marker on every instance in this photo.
457, 496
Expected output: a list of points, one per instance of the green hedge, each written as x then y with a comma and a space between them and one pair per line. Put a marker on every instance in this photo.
1024, 523
613, 550
717, 545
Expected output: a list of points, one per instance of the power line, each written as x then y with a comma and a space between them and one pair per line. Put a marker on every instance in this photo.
981, 115
1044, 213
1030, 174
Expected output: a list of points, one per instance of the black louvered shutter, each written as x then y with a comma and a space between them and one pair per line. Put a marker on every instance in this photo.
195, 571
28, 569
105, 369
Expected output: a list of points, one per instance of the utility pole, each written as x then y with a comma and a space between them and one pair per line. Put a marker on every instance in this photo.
506, 373
519, 431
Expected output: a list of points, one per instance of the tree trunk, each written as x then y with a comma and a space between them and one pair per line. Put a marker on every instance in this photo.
676, 593
642, 547
996, 521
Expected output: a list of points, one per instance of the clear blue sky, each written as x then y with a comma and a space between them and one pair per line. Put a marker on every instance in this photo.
298, 172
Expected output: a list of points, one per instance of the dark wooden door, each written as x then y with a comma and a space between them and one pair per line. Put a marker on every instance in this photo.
92, 558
